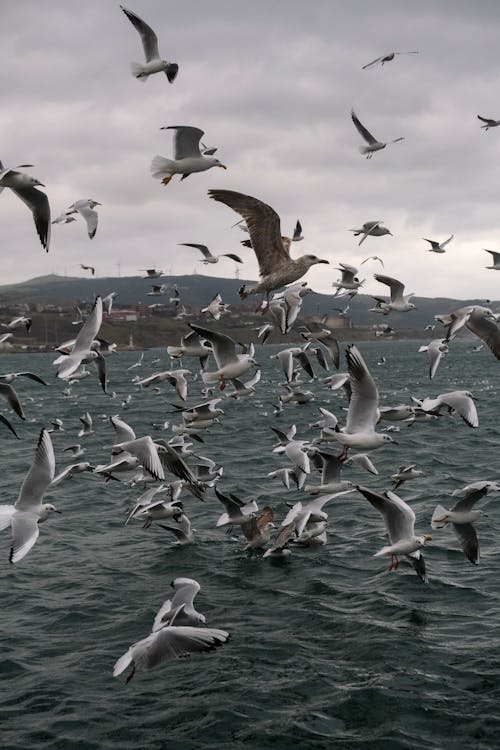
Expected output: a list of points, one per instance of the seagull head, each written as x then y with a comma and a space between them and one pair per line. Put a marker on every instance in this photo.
215, 162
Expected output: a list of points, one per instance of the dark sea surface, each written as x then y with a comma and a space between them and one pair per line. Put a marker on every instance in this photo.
328, 649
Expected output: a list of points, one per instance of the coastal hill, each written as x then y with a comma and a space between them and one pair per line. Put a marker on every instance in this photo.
197, 290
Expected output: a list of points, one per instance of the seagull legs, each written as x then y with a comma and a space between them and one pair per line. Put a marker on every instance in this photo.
166, 180
394, 563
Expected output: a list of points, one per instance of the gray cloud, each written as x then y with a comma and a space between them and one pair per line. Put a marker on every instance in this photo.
272, 85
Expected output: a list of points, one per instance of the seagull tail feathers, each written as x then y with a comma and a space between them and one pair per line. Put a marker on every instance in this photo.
161, 167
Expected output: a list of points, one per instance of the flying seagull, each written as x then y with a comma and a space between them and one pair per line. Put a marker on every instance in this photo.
399, 521
24, 187
489, 123
207, 255
153, 64
438, 247
495, 259
373, 144
387, 58
85, 207
88, 268
371, 229
187, 155
276, 268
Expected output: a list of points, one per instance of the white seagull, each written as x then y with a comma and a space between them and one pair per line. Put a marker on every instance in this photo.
363, 412
388, 57
371, 229
153, 64
438, 247
373, 144
24, 187
187, 155
399, 521
85, 207
207, 255
28, 511
168, 642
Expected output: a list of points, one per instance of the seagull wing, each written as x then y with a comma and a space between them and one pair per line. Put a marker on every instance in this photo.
364, 133
396, 287
186, 141
202, 248
399, 518
38, 204
486, 330
466, 535
24, 535
372, 63
91, 218
362, 413
234, 257
263, 225
224, 348
148, 37
39, 476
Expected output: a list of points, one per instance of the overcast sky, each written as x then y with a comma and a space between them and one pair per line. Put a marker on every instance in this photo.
272, 83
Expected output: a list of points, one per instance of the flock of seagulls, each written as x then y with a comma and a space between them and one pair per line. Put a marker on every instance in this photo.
229, 371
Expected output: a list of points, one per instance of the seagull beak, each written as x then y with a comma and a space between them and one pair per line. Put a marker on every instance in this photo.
57, 511
324, 261
428, 538
223, 166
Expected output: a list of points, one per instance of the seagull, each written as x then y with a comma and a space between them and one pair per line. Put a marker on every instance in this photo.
81, 350
86, 428
147, 509
183, 532
18, 322
460, 402
11, 376
489, 123
437, 247
399, 302
373, 144
349, 279
70, 471
185, 591
371, 229
387, 58
76, 450
363, 411
257, 529
24, 187
152, 273
153, 64
399, 520
495, 259
276, 268
145, 451
435, 350
405, 473
88, 268
229, 364
138, 363
191, 346
373, 257
174, 377
28, 511
187, 155
216, 307
461, 517
168, 642
85, 207
207, 255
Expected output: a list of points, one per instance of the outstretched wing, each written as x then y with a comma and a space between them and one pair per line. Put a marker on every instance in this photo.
263, 225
